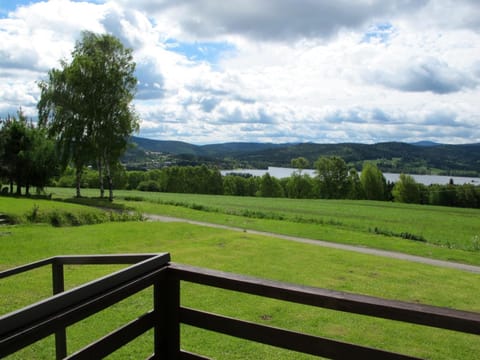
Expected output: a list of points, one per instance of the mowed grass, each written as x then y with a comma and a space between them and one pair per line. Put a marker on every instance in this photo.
59, 213
20, 209
243, 253
447, 233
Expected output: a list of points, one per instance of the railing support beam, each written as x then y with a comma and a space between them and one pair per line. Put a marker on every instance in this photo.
58, 280
167, 308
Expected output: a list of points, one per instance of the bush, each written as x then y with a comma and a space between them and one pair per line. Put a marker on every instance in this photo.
148, 185
403, 235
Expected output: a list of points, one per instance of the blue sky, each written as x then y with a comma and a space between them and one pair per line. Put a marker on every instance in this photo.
268, 70
201, 50
6, 6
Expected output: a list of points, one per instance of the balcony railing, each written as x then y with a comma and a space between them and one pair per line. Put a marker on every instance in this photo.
21, 328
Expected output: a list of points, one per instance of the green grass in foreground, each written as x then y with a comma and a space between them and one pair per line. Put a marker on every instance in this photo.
57, 213
449, 233
246, 254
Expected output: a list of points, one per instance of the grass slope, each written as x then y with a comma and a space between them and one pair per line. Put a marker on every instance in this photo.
446, 233
247, 254
59, 213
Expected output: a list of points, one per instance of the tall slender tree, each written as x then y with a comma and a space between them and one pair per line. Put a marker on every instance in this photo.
90, 98
106, 69
63, 112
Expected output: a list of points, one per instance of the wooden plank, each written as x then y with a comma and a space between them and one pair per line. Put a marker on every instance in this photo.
52, 322
46, 308
109, 259
285, 339
58, 281
440, 317
27, 267
167, 328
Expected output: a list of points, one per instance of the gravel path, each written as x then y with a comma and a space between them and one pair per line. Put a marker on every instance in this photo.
359, 249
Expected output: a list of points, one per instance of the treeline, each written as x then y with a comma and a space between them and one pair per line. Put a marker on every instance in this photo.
27, 155
333, 181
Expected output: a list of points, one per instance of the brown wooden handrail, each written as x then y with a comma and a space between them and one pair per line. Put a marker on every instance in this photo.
51, 316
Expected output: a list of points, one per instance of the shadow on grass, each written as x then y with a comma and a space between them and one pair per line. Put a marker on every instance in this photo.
102, 203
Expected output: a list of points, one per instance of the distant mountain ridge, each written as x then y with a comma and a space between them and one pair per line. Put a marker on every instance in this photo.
421, 157
426, 143
182, 148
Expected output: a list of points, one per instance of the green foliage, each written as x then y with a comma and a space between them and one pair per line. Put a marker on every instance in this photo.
406, 190
240, 185
27, 157
191, 179
300, 163
148, 185
134, 178
332, 177
466, 195
300, 187
270, 187
373, 182
356, 190
86, 105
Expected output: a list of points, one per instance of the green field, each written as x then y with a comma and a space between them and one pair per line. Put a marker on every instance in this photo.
447, 233
265, 257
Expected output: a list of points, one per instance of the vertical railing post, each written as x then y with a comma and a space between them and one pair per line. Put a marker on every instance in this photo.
58, 287
167, 325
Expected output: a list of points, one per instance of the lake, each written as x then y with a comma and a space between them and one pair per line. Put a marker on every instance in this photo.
280, 173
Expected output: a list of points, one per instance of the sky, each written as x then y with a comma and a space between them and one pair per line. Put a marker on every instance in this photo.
215, 71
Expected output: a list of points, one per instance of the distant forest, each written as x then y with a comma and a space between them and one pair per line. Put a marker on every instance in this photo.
394, 157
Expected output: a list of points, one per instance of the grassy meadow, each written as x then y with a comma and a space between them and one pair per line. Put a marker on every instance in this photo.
260, 256
444, 233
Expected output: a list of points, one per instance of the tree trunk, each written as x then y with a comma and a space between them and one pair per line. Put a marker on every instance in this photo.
19, 188
78, 179
100, 177
110, 182
11, 186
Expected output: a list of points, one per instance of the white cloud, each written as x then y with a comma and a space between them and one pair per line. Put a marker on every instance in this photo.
270, 70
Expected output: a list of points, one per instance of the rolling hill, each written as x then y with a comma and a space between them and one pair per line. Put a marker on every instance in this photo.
422, 157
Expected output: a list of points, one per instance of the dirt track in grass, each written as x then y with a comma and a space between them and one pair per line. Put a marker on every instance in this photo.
358, 249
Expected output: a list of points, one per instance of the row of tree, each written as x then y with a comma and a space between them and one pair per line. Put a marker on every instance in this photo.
27, 155
369, 184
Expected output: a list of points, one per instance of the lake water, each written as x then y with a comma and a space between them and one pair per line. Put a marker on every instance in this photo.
280, 173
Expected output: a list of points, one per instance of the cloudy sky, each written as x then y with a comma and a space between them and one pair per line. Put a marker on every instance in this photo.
213, 71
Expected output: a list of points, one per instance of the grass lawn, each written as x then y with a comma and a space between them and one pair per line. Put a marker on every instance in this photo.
246, 254
57, 213
447, 233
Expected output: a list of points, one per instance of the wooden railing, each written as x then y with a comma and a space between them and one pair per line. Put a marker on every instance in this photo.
51, 316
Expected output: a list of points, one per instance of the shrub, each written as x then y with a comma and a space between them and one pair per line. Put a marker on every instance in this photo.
33, 215
403, 235
148, 185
